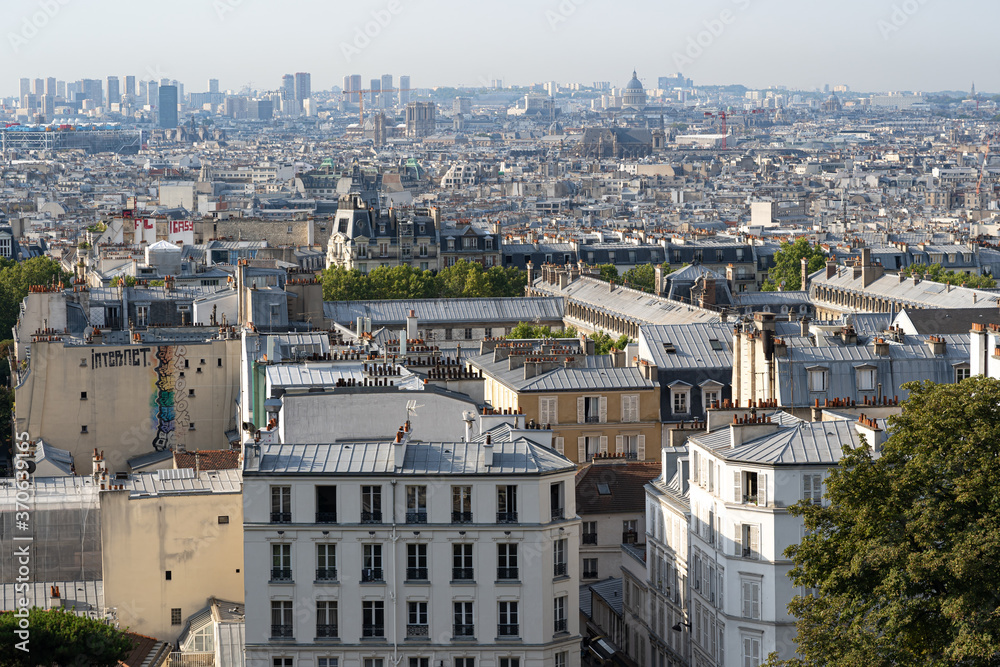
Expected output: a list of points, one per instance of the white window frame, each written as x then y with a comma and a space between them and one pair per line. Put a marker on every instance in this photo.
812, 487
680, 392
548, 410
866, 377
630, 408
750, 598
819, 379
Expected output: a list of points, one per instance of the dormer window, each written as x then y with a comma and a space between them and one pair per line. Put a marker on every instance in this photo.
866, 378
819, 378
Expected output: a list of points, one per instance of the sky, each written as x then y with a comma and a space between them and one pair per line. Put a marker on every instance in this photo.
869, 45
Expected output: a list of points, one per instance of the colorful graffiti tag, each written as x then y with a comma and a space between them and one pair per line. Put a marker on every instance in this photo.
169, 409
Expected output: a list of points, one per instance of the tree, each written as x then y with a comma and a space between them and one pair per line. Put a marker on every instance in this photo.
609, 273
526, 331
60, 637
462, 280
642, 277
936, 273
788, 265
15, 280
906, 555
603, 342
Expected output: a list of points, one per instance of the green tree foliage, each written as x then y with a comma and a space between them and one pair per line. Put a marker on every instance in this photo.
936, 273
16, 278
788, 265
906, 555
526, 331
463, 280
609, 273
642, 277
59, 638
603, 342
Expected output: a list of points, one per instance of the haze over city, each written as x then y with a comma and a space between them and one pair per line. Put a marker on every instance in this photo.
878, 45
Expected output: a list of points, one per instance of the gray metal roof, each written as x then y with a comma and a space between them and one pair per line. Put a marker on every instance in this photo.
802, 443
597, 374
925, 293
447, 311
521, 457
177, 482
85, 598
326, 374
692, 344
610, 590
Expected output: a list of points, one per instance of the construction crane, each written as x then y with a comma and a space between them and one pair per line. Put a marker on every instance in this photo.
361, 98
723, 115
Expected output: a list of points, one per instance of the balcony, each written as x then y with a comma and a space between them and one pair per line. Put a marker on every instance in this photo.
464, 630
416, 516
462, 574
282, 631
630, 537
371, 574
326, 631
281, 517
326, 517
326, 574
375, 516
561, 625
281, 574
590, 538
507, 573
559, 570
506, 517
558, 514
508, 630
416, 574
373, 631
417, 631
592, 419
589, 574
750, 499
461, 517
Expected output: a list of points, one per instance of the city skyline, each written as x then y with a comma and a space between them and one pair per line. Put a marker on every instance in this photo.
728, 42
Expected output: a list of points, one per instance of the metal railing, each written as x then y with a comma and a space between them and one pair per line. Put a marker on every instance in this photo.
507, 573
506, 517
508, 630
281, 517
630, 537
282, 631
416, 516
281, 574
371, 574
374, 516
464, 630
558, 513
326, 517
373, 631
589, 538
462, 574
461, 517
326, 574
416, 574
561, 625
559, 570
326, 630
417, 630
178, 659
589, 574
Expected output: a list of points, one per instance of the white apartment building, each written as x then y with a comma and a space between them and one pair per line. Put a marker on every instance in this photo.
421, 554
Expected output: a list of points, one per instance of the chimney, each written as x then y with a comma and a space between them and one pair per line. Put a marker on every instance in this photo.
750, 427
468, 417
831, 267
411, 325
402, 341
563, 279
55, 600
531, 273
764, 321
804, 326
708, 291
658, 280
399, 446
872, 432
488, 452
849, 336
805, 275
881, 347
937, 345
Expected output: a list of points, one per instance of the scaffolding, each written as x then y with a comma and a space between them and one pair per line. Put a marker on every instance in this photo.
94, 140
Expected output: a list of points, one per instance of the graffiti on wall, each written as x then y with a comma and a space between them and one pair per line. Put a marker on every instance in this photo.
168, 403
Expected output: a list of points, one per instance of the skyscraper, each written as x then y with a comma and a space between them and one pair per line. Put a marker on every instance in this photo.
152, 94
213, 85
375, 87
130, 86
39, 88
93, 90
168, 106
303, 88
288, 87
23, 91
347, 83
114, 90
355, 82
387, 98
50, 86
61, 89
404, 90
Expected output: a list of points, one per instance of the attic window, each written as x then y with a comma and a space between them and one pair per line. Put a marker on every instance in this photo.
669, 348
716, 345
603, 490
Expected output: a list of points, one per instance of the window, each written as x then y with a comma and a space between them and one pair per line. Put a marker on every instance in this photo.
507, 504
281, 504
326, 562
83, 428
326, 504
865, 378
680, 400
464, 626
465, 662
284, 662
175, 616
548, 410
326, 618
962, 373
461, 504
592, 409
83, 395
223, 519
753, 485
372, 618
371, 567
416, 620
141, 316
507, 625
416, 562
468, 334
556, 509
589, 534
559, 614
281, 562
218, 362
190, 392
507, 561
562, 659
751, 650
447, 334
812, 488
420, 662
462, 562
327, 662
416, 504
818, 379
488, 332
509, 662
748, 541
371, 504
281, 619
590, 568
559, 568
630, 408
630, 531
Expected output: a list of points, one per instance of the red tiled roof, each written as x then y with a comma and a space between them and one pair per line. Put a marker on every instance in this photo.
142, 646
625, 482
209, 459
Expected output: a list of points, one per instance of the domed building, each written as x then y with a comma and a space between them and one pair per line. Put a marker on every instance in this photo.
634, 95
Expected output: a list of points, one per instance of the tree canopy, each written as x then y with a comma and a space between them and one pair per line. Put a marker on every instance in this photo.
642, 277
937, 274
16, 278
906, 555
464, 279
603, 342
788, 265
58, 638
526, 331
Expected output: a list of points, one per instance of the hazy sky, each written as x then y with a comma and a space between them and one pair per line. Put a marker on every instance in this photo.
870, 45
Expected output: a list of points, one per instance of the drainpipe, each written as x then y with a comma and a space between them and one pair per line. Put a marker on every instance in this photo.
395, 575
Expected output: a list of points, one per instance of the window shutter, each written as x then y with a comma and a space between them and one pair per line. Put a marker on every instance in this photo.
755, 600
626, 408
738, 539
755, 541
560, 447
762, 490
619, 448
581, 411
737, 487
543, 410
604, 409
604, 444
581, 444
641, 448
